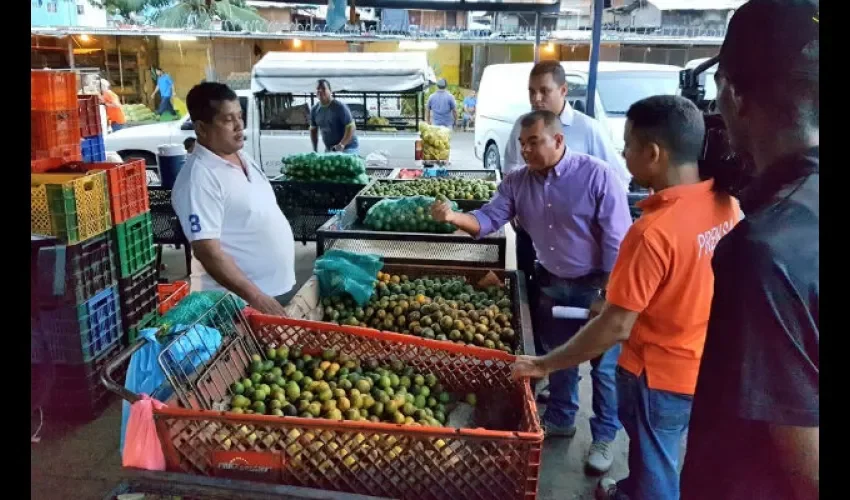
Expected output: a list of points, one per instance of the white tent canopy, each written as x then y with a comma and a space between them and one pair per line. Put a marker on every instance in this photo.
297, 72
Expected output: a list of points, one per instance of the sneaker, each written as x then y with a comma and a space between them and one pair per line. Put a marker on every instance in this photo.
606, 489
600, 457
550, 430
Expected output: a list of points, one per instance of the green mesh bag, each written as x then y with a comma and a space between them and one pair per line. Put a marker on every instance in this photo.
340, 272
197, 304
411, 215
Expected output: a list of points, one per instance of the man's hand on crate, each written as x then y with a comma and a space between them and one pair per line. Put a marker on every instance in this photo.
267, 305
528, 367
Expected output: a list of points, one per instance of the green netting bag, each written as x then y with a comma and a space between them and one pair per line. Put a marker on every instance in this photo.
325, 167
340, 272
197, 304
411, 214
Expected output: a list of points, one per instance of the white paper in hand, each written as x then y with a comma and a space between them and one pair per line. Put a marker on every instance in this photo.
562, 312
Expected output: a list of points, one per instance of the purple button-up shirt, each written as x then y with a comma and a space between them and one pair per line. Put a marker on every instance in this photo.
576, 215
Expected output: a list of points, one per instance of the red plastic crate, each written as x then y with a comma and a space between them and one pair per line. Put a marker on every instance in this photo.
53, 90
89, 110
52, 131
128, 187
170, 294
46, 165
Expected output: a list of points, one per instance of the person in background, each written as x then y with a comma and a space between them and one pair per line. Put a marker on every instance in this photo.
333, 119
114, 111
658, 297
240, 239
441, 108
165, 89
189, 144
469, 104
576, 213
755, 426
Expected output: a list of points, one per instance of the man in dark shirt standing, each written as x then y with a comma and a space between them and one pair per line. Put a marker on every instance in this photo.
332, 118
754, 431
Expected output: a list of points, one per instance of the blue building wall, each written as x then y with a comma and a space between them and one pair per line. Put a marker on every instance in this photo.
53, 13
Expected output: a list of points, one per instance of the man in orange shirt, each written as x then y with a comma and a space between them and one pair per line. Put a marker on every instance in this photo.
658, 296
114, 112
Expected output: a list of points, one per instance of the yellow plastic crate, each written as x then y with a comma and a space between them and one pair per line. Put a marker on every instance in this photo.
71, 207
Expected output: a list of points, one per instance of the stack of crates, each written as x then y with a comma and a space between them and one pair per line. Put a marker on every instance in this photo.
54, 116
93, 149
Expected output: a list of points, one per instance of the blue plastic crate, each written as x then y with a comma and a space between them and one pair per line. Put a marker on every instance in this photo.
79, 333
94, 150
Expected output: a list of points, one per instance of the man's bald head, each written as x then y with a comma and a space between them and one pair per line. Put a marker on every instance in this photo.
541, 139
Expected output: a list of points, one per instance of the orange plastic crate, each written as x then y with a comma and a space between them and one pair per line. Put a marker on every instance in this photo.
53, 90
128, 187
54, 130
45, 165
371, 458
170, 294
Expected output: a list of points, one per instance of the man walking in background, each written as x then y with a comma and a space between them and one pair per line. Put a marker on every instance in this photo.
755, 427
576, 214
165, 88
441, 108
469, 104
333, 119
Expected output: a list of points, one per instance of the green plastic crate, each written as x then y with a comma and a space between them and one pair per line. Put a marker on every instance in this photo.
135, 244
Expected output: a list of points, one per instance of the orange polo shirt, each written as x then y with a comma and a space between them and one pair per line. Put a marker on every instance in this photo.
663, 272
115, 114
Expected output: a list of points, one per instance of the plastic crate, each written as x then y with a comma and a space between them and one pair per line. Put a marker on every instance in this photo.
314, 198
396, 461
135, 244
170, 294
65, 153
46, 165
52, 131
128, 188
73, 274
53, 90
166, 224
139, 301
88, 107
77, 334
77, 393
71, 207
93, 149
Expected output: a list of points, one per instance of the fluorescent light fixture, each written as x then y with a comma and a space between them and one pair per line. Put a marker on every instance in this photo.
296, 43
549, 47
178, 38
415, 45
85, 38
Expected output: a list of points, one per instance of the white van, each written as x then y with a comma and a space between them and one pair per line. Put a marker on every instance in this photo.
706, 78
503, 98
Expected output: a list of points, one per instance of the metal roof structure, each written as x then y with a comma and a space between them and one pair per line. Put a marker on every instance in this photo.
671, 5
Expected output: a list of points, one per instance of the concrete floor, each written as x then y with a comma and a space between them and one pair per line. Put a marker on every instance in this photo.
83, 462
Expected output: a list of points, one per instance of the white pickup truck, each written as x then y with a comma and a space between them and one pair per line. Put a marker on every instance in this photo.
290, 78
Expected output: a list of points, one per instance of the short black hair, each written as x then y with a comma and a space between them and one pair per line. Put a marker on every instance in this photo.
672, 122
189, 141
324, 82
551, 121
771, 54
553, 68
204, 99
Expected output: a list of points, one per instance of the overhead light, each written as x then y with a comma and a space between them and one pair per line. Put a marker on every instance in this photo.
415, 45
178, 38
550, 47
296, 43
85, 38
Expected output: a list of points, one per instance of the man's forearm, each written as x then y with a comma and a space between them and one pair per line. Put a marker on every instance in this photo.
226, 273
348, 136
594, 339
465, 222
314, 138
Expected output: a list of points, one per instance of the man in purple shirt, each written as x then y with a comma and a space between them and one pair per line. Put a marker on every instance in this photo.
576, 212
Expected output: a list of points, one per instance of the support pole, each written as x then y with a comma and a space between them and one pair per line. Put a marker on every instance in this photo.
536, 37
71, 52
594, 57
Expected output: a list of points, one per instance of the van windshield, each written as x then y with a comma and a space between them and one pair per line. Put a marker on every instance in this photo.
619, 90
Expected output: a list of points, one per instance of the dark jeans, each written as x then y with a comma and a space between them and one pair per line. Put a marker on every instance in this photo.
563, 385
656, 422
117, 126
165, 105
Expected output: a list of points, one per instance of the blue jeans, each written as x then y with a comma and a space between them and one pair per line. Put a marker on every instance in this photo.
656, 422
563, 384
165, 105
117, 126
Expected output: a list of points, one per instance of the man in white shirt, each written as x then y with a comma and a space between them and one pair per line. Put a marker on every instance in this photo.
547, 90
240, 239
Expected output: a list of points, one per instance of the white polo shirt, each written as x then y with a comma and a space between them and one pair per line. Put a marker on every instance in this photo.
215, 200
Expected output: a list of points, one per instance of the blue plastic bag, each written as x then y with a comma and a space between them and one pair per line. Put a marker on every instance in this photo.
145, 375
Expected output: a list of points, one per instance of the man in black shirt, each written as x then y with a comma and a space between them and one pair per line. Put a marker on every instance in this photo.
754, 430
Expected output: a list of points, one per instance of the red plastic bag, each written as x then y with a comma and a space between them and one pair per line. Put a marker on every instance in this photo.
142, 448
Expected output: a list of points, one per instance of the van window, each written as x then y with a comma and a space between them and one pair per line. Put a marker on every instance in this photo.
620, 89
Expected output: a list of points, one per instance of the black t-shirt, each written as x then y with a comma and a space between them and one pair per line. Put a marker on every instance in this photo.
760, 366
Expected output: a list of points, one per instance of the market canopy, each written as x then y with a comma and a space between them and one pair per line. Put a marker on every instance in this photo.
297, 72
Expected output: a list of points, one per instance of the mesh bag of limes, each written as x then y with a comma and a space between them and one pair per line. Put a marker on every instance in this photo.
411, 214
325, 167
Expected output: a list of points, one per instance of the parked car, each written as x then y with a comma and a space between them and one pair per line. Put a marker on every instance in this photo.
503, 98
